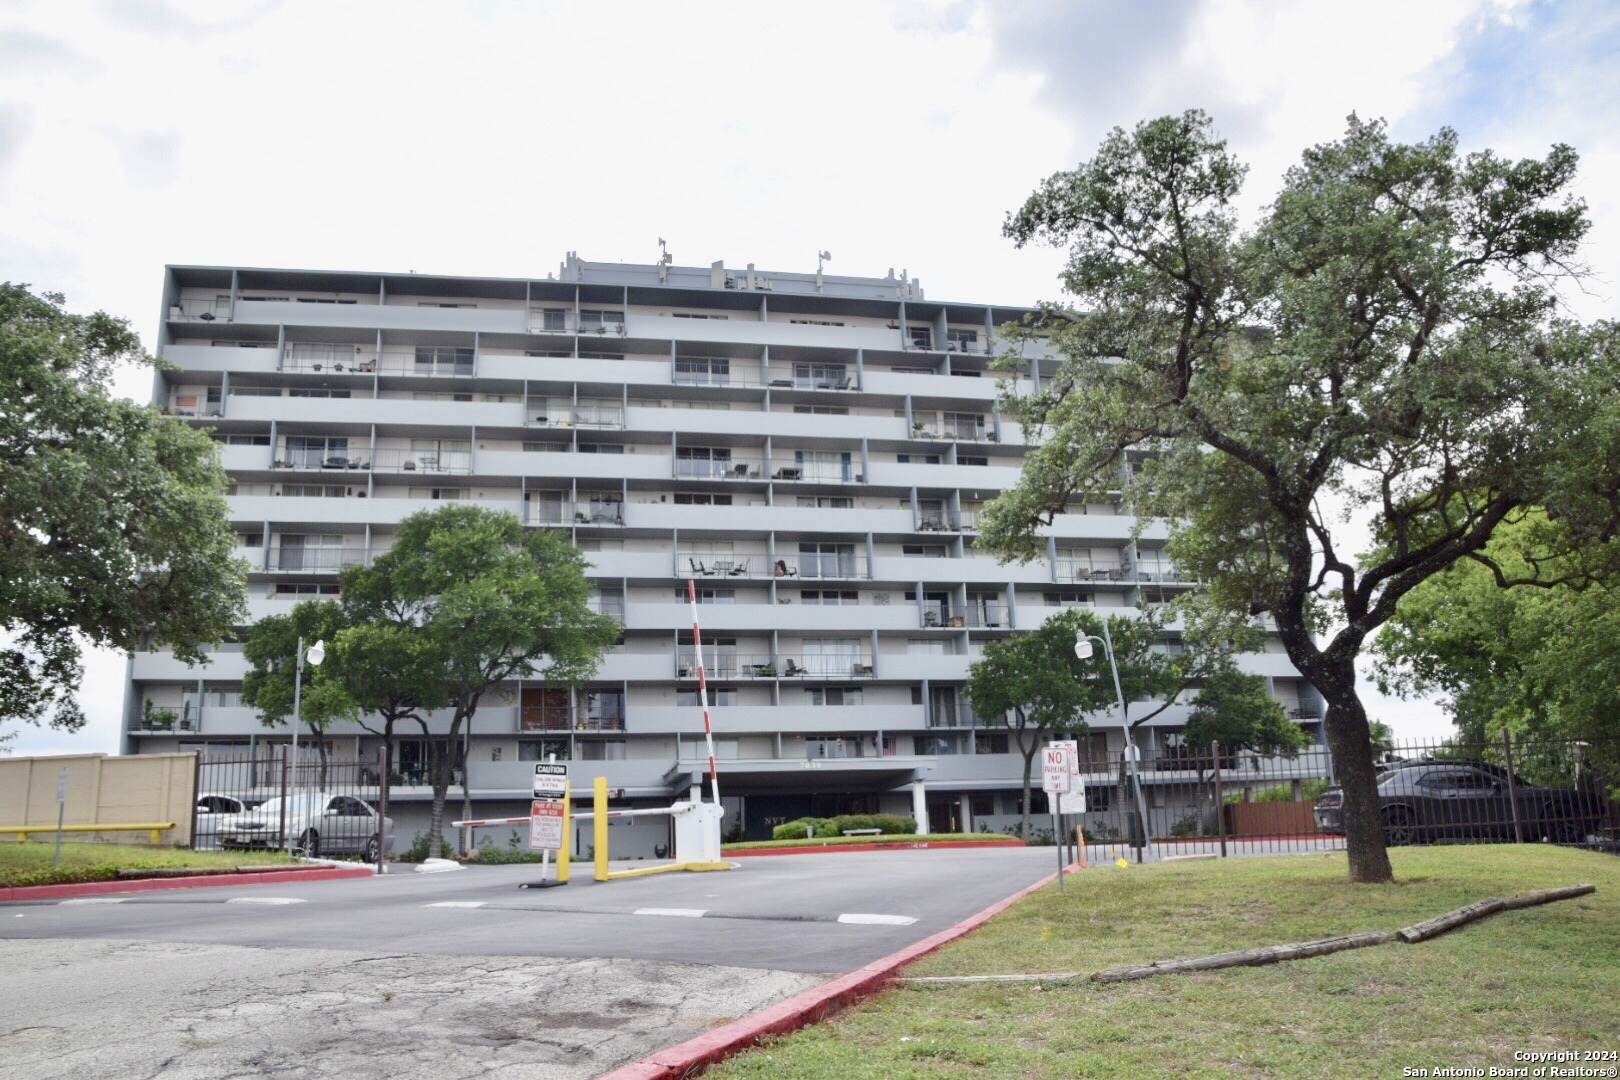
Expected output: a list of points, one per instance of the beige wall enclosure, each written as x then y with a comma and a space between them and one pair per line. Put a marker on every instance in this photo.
101, 790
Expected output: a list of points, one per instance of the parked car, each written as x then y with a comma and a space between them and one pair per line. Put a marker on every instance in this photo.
320, 824
212, 810
1437, 799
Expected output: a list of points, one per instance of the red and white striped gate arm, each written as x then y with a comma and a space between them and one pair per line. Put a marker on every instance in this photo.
703, 690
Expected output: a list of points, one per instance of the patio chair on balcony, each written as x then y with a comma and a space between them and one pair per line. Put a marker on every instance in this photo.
784, 570
698, 569
790, 669
739, 569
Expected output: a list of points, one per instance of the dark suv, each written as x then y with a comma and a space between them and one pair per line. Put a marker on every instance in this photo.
1437, 799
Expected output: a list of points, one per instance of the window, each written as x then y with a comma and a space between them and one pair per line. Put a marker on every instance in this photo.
542, 749
830, 597
967, 459
327, 300
697, 315
443, 360
832, 656
223, 697
834, 746
443, 303
702, 371
302, 392
601, 750
1066, 597
243, 440
304, 588
828, 502
317, 491
920, 337
593, 321
917, 459
823, 465
708, 596
982, 803
688, 498
937, 745
1099, 799
964, 426
555, 354
703, 462
833, 695
445, 493
553, 319
822, 410
545, 448
961, 340
818, 560
718, 696
815, 322
990, 744
821, 376
601, 448
923, 551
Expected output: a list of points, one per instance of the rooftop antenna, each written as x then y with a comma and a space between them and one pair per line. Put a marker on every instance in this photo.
821, 257
664, 259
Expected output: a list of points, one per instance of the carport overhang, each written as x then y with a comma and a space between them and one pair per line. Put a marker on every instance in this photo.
772, 776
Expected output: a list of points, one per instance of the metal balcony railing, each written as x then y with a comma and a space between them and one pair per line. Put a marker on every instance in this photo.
569, 718
323, 460
162, 718
825, 667
725, 663
736, 565
735, 467
790, 379
934, 522
987, 616
938, 615
457, 462
703, 371
599, 512
614, 608
329, 357
320, 559
200, 310
794, 470
961, 715
438, 362
824, 567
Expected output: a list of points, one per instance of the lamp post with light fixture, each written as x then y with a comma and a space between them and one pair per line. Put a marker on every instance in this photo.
1083, 651
317, 655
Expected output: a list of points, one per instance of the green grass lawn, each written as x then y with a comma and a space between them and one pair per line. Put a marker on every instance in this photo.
1545, 978
840, 841
30, 863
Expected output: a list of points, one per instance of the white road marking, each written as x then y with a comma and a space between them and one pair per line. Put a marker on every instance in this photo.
459, 903
95, 900
673, 912
263, 900
878, 920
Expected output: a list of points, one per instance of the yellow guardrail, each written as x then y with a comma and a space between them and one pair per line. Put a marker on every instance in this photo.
150, 827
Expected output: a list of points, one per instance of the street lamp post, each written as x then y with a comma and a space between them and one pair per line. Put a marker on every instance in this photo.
316, 654
1083, 651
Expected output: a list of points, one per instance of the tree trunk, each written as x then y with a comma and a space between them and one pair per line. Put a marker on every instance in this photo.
320, 756
1029, 766
442, 756
1350, 742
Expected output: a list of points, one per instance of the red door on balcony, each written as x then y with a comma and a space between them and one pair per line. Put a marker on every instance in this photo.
545, 709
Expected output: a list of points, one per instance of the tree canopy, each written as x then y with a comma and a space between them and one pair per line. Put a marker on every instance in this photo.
491, 602
1537, 663
1386, 337
112, 527
1236, 710
272, 684
1037, 678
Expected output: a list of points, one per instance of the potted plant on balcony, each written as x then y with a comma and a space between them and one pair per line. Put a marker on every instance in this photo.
154, 719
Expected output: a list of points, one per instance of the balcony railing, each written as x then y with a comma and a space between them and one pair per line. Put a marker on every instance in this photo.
167, 718
731, 566
394, 460
599, 513
938, 615
986, 616
716, 375
542, 321
824, 567
200, 310
787, 379
725, 663
934, 522
961, 715
437, 364
793, 470
567, 718
326, 460
325, 560
825, 667
611, 607
735, 467
329, 357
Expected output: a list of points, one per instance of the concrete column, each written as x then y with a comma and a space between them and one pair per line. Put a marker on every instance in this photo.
964, 815
919, 807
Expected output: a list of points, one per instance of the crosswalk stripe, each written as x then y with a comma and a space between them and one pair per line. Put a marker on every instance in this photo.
674, 912
878, 920
263, 900
459, 903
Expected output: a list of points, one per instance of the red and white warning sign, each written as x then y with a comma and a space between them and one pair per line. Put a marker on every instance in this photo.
545, 825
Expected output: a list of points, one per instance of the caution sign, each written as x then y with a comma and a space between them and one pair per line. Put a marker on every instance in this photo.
550, 780
545, 825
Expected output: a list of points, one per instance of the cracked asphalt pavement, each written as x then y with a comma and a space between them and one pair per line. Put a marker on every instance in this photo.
455, 975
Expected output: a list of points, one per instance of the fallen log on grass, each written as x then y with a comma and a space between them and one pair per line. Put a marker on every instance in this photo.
1248, 958
1547, 896
1478, 910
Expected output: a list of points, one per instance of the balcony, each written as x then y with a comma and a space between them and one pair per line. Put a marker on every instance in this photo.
564, 321
713, 371
725, 663
938, 615
797, 470
986, 616
815, 379
820, 666
539, 415
961, 715
734, 467
167, 719
315, 559
939, 522
568, 718
323, 460
428, 362
200, 309
451, 462
327, 358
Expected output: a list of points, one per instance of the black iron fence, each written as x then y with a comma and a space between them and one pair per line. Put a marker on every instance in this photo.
1209, 800
268, 800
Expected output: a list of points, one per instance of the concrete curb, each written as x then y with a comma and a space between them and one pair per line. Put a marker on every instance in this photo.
822, 849
103, 888
694, 1055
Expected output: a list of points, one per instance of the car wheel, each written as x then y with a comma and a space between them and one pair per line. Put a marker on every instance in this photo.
373, 850
1561, 830
311, 843
1398, 827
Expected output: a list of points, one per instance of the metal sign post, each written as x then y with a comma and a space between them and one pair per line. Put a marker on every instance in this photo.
1056, 781
61, 812
548, 820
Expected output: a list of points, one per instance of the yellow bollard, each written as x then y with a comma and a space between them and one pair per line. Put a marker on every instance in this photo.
562, 852
601, 823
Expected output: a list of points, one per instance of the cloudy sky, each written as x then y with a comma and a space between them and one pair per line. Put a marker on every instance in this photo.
490, 138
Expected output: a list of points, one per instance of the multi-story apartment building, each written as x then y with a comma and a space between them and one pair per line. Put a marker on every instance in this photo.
813, 451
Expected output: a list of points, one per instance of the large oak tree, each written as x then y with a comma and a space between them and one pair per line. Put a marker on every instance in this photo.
113, 531
1386, 337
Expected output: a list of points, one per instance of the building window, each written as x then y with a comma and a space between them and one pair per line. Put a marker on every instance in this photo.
542, 749
708, 596
688, 498
937, 745
718, 696
702, 371
917, 459
822, 410
1099, 799
830, 597
601, 750
828, 502
923, 551
990, 744
982, 803
833, 695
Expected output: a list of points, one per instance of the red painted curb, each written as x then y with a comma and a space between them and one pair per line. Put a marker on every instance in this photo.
912, 846
101, 888
707, 1049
